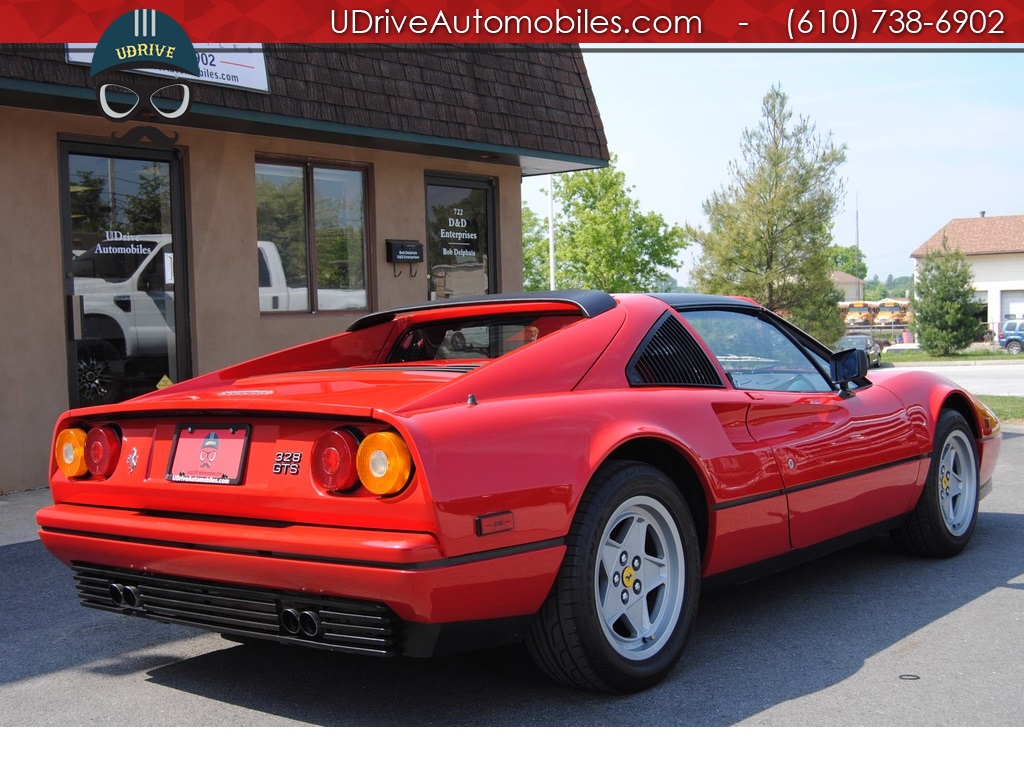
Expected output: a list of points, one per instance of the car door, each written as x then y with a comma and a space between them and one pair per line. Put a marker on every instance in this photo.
848, 459
846, 462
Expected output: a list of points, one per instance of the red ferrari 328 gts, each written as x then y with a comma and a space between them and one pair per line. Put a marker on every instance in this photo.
568, 468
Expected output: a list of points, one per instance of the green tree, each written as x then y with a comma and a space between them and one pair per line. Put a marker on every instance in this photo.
89, 211
602, 238
892, 288
848, 259
149, 209
281, 219
944, 308
536, 254
770, 227
339, 242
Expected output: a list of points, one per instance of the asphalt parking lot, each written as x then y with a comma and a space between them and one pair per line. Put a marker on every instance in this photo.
864, 637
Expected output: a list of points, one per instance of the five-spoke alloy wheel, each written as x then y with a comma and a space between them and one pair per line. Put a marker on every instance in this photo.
944, 519
619, 614
638, 577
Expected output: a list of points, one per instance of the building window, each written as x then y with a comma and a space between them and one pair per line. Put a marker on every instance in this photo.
311, 228
460, 237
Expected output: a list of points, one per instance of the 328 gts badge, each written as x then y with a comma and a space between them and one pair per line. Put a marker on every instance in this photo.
287, 463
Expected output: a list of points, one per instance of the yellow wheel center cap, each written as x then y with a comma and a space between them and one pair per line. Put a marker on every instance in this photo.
628, 577
945, 482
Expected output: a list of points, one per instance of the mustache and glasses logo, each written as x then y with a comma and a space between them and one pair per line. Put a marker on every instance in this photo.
144, 39
208, 451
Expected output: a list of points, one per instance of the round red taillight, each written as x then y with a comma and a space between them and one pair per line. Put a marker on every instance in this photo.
102, 449
333, 462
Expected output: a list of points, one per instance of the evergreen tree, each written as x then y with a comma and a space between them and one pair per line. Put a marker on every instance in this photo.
769, 228
944, 306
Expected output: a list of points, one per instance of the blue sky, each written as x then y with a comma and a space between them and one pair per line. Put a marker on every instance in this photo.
931, 136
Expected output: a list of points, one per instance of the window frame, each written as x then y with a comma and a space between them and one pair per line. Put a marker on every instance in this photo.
809, 348
489, 186
308, 166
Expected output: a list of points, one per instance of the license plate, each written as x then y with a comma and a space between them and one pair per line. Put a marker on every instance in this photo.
210, 455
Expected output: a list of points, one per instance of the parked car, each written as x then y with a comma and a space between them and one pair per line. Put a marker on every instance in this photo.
900, 347
868, 344
1011, 336
574, 483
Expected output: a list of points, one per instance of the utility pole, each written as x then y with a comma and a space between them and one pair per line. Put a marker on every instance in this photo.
551, 231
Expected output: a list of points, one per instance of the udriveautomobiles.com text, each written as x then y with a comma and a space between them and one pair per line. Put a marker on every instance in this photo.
583, 22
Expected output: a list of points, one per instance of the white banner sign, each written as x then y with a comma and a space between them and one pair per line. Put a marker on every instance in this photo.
235, 65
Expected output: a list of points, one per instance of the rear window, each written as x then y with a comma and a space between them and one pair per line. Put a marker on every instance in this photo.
852, 342
475, 338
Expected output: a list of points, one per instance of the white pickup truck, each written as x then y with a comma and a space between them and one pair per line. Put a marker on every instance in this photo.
126, 285
277, 296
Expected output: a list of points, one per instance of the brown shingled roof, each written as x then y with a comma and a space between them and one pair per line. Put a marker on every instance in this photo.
983, 234
530, 104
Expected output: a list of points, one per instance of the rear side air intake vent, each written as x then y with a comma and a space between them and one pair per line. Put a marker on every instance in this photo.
670, 356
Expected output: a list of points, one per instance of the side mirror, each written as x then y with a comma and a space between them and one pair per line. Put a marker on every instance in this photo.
849, 365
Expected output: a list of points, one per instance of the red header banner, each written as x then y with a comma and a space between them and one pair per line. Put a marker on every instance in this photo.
693, 23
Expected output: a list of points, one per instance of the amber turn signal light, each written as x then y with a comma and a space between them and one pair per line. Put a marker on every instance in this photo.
384, 463
69, 451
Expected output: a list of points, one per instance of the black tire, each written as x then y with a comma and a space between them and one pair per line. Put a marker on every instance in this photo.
947, 512
100, 373
633, 542
1013, 347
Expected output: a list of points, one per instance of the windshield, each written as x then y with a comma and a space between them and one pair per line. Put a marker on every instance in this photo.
852, 342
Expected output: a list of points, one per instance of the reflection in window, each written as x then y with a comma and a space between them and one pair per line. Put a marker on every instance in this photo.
458, 238
310, 258
756, 354
340, 266
115, 194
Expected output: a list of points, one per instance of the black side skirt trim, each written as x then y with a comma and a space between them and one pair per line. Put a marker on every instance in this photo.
799, 556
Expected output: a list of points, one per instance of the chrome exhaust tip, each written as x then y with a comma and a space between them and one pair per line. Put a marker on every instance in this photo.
290, 621
132, 597
309, 623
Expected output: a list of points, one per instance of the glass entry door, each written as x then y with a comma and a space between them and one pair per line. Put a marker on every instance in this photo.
460, 246
124, 270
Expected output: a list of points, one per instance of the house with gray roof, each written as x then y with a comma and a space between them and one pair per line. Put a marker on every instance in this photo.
994, 247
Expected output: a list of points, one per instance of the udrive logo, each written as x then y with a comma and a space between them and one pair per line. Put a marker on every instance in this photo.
144, 39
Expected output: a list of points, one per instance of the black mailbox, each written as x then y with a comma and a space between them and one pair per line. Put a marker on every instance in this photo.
404, 251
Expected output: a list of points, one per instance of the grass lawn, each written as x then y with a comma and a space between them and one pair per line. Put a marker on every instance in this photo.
1006, 407
971, 355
